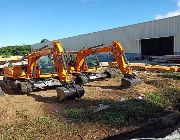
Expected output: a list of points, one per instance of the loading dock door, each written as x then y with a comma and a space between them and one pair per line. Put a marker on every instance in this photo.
157, 46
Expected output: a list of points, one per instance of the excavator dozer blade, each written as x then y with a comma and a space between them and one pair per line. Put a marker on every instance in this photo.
128, 82
69, 93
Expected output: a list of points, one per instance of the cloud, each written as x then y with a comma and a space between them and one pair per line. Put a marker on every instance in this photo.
178, 3
170, 14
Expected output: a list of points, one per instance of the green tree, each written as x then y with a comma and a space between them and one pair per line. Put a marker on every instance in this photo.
15, 50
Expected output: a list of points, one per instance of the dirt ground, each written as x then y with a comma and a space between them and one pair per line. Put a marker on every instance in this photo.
41, 102
17, 109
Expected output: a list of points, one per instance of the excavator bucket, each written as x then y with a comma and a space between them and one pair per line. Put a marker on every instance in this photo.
130, 81
69, 92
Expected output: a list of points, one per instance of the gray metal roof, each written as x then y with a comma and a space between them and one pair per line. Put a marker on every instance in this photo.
127, 35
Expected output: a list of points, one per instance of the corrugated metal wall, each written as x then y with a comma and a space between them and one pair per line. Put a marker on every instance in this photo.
128, 35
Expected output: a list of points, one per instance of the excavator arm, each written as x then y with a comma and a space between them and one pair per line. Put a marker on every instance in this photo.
59, 61
117, 51
33, 58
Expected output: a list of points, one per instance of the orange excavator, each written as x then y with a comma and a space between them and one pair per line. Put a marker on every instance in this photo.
25, 78
117, 51
90, 71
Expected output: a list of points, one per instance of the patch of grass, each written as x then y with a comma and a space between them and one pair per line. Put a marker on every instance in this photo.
168, 91
45, 127
166, 97
173, 75
159, 83
126, 113
82, 114
156, 98
172, 96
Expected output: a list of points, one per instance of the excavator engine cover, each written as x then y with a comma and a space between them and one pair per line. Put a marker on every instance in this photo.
69, 92
130, 81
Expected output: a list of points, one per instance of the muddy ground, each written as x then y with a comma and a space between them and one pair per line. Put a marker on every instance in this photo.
39, 115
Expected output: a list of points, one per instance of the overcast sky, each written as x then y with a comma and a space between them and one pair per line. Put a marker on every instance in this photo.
29, 21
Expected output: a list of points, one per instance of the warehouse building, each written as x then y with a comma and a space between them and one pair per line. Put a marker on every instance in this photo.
154, 38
